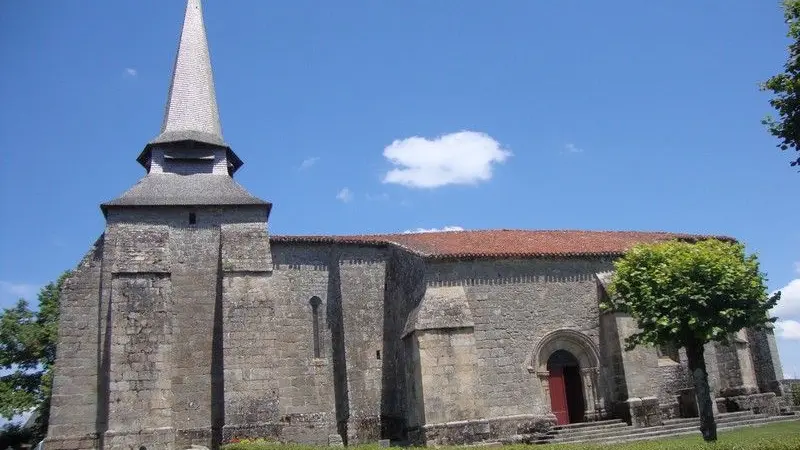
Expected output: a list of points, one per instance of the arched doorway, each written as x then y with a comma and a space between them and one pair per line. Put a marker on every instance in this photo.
566, 388
575, 353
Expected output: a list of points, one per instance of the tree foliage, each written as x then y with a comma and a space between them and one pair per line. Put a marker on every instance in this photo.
786, 87
13, 436
27, 353
682, 293
688, 294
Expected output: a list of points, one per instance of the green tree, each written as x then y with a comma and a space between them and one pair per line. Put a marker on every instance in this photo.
27, 353
689, 294
786, 87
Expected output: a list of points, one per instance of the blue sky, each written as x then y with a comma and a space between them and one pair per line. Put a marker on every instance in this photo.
572, 115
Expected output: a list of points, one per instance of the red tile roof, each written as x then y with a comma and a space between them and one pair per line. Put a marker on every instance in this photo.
507, 243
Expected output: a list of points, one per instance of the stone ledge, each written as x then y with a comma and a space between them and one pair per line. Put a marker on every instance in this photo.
83, 442
481, 430
150, 438
313, 428
270, 430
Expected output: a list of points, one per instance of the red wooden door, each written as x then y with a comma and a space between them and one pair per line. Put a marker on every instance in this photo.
558, 395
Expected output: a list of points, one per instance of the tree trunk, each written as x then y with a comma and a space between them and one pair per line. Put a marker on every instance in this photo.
697, 365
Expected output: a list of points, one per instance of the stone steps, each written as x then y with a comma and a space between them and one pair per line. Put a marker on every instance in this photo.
571, 429
579, 425
694, 430
724, 417
621, 428
677, 427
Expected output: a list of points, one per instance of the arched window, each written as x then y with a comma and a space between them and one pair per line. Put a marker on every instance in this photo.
315, 303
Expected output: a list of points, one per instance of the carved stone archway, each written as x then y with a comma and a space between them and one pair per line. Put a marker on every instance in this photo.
588, 356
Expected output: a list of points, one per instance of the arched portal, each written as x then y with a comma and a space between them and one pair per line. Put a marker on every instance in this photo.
566, 389
577, 354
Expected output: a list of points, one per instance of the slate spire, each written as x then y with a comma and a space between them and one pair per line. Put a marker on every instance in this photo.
188, 163
191, 113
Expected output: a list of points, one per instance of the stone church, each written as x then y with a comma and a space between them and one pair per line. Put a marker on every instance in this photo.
188, 323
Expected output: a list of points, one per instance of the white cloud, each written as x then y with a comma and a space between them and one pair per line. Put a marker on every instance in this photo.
789, 304
466, 157
788, 329
131, 72
345, 195
434, 230
572, 148
308, 162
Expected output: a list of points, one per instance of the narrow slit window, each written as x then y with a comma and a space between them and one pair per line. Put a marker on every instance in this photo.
315, 302
192, 218
377, 354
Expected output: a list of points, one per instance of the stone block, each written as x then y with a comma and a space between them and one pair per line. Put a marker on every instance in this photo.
644, 412
766, 403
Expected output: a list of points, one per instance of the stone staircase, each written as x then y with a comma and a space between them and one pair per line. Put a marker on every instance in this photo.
614, 431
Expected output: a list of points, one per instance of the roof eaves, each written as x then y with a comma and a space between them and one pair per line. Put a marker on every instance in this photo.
505, 255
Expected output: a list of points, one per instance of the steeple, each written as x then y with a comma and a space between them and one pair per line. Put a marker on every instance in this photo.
188, 163
191, 116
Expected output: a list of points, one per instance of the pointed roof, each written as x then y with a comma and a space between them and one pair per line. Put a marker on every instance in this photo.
201, 189
191, 112
191, 124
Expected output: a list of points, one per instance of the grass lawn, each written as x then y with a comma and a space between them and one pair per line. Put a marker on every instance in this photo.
778, 436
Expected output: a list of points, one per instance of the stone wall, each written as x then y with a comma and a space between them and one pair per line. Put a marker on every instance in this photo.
340, 392
728, 369
401, 404
674, 380
306, 388
361, 274
249, 340
197, 398
153, 316
447, 366
515, 304
766, 362
73, 410
249, 356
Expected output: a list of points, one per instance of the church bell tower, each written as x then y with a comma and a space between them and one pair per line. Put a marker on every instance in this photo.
140, 361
